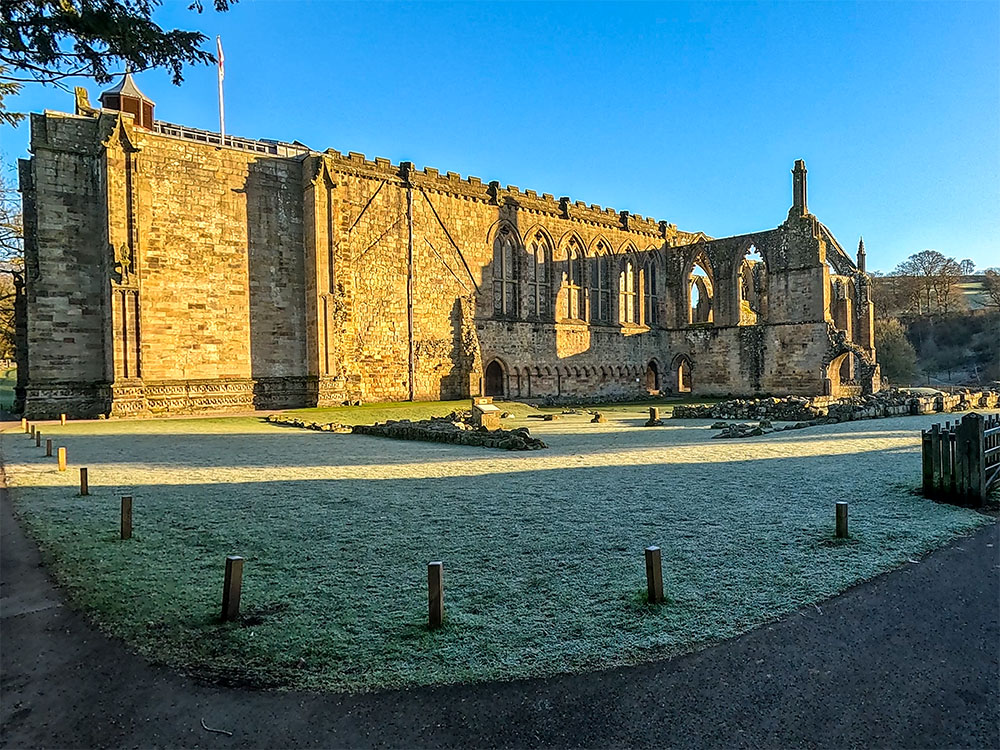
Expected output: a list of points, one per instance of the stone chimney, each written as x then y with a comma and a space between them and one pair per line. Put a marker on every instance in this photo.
799, 205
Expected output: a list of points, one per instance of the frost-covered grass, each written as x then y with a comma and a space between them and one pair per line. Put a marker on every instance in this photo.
8, 379
371, 413
542, 550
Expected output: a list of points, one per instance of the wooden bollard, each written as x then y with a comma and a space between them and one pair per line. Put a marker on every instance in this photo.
38, 439
31, 430
62, 459
127, 517
654, 575
232, 587
435, 594
936, 455
654, 413
62, 419
24, 424
84, 487
841, 520
48, 448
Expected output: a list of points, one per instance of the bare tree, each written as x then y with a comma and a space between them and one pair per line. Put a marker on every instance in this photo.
991, 283
894, 295
936, 278
11, 262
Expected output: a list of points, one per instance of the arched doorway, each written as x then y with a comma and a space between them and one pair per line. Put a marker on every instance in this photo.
652, 376
682, 366
495, 379
833, 385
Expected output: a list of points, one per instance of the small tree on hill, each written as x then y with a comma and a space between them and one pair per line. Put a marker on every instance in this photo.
894, 351
935, 276
991, 283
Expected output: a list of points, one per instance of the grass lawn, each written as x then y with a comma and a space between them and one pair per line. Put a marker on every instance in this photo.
8, 379
371, 413
542, 551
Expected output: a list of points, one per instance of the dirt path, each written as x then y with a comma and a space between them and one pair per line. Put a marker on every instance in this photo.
910, 659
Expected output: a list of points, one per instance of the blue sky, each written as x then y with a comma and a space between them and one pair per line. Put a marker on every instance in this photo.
692, 113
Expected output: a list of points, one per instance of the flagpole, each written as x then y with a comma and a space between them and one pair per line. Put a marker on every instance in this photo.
222, 107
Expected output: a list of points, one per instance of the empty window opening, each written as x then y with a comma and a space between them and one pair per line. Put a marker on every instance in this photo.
700, 292
751, 284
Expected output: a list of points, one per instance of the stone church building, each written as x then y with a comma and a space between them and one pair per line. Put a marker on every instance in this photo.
168, 270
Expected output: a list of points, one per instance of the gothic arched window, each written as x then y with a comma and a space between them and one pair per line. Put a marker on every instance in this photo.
650, 297
539, 283
628, 303
751, 283
700, 292
600, 280
505, 276
575, 309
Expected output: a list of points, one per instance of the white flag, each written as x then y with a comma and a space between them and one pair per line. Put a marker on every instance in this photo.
222, 74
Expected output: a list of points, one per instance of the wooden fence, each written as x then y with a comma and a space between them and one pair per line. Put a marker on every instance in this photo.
961, 460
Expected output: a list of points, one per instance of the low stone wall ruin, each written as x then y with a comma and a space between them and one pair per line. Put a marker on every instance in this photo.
450, 429
825, 410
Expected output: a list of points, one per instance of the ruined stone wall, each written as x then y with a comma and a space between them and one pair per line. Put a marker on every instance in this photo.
167, 274
455, 222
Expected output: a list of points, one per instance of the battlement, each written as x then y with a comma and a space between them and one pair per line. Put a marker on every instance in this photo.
428, 178
452, 183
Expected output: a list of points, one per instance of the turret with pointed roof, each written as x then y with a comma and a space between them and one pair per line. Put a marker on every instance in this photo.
127, 97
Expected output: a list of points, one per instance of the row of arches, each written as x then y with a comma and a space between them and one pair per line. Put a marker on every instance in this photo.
594, 285
750, 286
598, 286
523, 382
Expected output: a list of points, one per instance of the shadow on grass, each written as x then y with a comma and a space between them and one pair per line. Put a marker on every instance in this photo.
544, 570
283, 446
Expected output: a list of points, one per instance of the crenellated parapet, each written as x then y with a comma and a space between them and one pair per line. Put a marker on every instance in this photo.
494, 193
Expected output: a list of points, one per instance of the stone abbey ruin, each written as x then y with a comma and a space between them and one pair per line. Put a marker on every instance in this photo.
167, 271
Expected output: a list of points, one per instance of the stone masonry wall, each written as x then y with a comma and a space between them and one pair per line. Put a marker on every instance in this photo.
64, 279
165, 274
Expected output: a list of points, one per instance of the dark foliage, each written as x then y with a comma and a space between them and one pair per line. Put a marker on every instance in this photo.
45, 41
